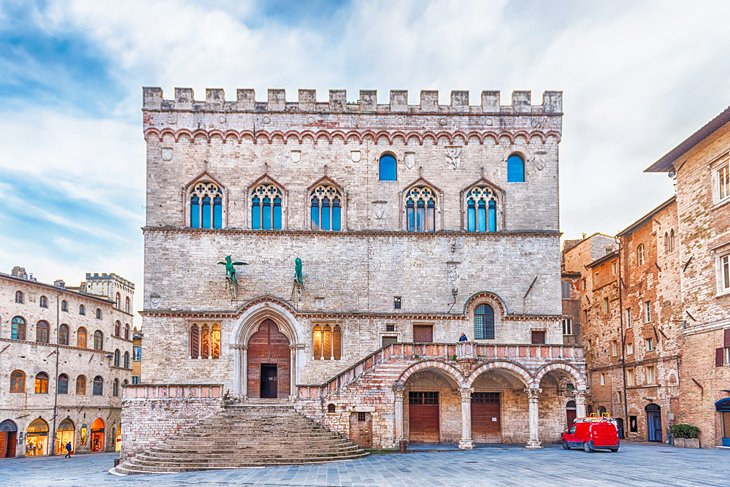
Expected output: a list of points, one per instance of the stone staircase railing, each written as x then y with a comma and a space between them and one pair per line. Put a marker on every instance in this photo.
447, 351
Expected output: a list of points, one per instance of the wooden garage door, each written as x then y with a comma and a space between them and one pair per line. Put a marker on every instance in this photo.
486, 422
423, 416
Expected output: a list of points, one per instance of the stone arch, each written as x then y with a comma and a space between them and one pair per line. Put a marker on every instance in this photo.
248, 323
513, 367
580, 382
485, 296
450, 371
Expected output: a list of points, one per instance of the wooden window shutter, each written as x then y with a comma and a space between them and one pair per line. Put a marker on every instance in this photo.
719, 352
726, 342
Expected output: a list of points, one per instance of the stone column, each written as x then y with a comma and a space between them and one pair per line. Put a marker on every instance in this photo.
466, 442
292, 372
580, 404
244, 371
398, 390
533, 395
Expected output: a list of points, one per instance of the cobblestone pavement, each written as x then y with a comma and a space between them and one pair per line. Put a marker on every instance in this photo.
634, 465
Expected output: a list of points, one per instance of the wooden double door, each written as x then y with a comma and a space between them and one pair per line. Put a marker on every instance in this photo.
486, 417
269, 362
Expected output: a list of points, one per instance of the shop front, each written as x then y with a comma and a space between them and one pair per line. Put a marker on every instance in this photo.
65, 434
36, 438
97, 435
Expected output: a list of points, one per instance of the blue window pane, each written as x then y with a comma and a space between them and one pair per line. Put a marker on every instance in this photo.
194, 212
420, 216
277, 213
388, 171
515, 169
484, 322
410, 216
482, 216
492, 216
471, 225
256, 214
336, 215
266, 217
326, 214
206, 212
315, 214
431, 216
217, 212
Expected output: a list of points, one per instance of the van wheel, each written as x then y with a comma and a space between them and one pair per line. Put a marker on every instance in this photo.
566, 446
587, 447
614, 450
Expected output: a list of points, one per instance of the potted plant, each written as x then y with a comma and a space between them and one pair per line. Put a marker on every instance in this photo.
685, 435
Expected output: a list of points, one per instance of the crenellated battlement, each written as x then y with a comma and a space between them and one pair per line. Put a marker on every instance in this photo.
307, 102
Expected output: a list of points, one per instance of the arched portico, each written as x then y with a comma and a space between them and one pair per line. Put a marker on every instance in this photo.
269, 324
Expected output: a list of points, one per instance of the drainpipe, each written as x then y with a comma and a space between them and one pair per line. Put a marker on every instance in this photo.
623, 337
55, 395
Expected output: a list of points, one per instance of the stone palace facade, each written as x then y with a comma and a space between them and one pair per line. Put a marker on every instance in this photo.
413, 224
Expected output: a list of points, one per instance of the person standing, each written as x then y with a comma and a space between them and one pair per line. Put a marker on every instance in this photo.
463, 337
68, 450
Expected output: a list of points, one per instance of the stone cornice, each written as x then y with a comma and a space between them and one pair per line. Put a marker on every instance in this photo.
355, 233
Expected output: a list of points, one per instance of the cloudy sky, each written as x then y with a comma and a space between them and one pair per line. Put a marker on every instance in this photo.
638, 77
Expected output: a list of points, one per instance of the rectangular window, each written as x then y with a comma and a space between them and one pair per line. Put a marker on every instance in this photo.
388, 340
137, 353
614, 268
423, 397
538, 337
633, 424
725, 273
606, 306
628, 317
629, 348
650, 374
390, 327
423, 333
565, 288
614, 348
396, 302
647, 312
583, 284
723, 182
603, 379
135, 379
567, 326
648, 344
630, 378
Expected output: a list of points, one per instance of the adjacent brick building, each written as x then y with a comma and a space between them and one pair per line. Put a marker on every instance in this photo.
410, 225
700, 166
64, 359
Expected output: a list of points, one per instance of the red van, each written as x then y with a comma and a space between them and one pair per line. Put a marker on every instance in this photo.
592, 434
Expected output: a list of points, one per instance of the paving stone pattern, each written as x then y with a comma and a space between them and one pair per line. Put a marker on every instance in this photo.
634, 465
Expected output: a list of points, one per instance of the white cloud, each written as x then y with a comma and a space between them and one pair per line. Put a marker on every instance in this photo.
638, 78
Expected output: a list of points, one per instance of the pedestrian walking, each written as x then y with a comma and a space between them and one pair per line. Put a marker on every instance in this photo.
68, 450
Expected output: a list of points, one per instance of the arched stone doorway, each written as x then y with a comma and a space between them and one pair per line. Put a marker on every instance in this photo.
268, 362
498, 400
36, 438
65, 433
97, 435
267, 333
653, 423
433, 407
8, 438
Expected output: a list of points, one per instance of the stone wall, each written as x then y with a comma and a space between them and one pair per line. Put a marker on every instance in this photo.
151, 414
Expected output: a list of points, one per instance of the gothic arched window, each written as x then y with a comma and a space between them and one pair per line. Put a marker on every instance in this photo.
117, 328
326, 208
82, 309
62, 384
41, 383
19, 297
206, 206
126, 360
81, 338
115, 388
484, 322
63, 335
98, 387
126, 331
420, 204
205, 341
81, 385
117, 359
43, 301
481, 210
17, 381
515, 169
98, 340
118, 301
17, 330
42, 330
127, 304
266, 201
